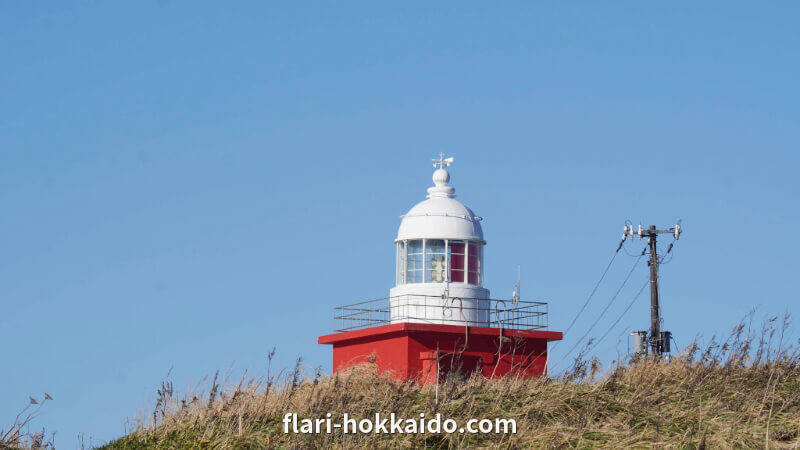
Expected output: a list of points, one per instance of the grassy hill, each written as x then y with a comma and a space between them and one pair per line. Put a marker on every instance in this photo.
743, 392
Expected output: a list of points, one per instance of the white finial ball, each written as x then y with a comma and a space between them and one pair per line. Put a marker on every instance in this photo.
441, 177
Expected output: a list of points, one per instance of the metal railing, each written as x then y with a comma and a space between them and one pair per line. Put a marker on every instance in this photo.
441, 310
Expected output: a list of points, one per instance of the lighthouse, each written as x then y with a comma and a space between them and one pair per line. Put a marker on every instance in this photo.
440, 259
439, 319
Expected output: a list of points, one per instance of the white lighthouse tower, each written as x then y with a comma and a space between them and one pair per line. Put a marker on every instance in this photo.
440, 260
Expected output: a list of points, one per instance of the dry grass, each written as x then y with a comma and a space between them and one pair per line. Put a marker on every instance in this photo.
741, 392
18, 434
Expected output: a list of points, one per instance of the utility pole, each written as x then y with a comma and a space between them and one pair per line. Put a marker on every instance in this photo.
659, 341
655, 312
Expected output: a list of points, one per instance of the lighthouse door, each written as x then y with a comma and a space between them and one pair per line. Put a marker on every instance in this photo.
450, 366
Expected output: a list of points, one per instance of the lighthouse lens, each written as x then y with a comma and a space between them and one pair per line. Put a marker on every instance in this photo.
435, 261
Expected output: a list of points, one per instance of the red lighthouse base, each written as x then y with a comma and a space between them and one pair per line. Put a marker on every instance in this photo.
417, 351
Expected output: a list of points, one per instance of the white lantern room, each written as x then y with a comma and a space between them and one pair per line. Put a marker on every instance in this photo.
440, 260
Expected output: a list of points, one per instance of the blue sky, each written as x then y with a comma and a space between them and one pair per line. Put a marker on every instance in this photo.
185, 185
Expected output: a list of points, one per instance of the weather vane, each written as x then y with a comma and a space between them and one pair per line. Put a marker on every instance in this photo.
442, 162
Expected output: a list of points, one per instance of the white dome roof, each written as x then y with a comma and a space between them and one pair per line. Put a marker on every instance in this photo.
440, 216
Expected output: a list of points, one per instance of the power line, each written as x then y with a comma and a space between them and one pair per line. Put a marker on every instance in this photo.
625, 248
636, 297
575, 319
624, 282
